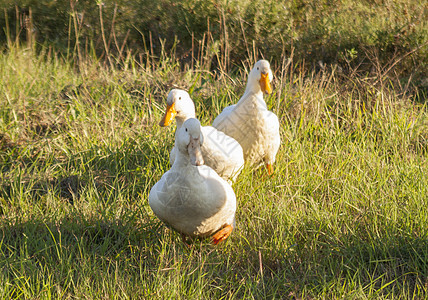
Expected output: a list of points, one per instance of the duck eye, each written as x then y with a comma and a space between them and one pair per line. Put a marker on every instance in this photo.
179, 98
186, 129
257, 68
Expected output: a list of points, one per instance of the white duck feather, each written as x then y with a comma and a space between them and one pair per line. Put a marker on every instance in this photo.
250, 122
220, 151
191, 197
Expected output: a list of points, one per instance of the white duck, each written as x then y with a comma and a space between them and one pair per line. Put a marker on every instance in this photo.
192, 197
250, 122
220, 152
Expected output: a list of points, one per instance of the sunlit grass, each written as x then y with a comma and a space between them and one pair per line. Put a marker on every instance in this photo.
344, 215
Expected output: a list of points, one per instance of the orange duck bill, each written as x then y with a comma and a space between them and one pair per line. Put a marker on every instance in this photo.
169, 115
265, 83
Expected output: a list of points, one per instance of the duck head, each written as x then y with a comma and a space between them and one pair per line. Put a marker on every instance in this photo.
260, 77
189, 140
179, 106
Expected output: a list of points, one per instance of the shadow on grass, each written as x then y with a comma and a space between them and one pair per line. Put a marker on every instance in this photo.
41, 238
388, 264
143, 249
127, 169
80, 256
317, 263
391, 262
79, 244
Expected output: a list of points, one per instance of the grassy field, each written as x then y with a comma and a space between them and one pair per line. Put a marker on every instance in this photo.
344, 215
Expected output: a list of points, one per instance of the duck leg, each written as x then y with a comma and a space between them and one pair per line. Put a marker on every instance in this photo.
183, 238
222, 234
269, 168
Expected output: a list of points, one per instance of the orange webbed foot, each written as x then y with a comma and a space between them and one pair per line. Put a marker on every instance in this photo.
269, 168
222, 234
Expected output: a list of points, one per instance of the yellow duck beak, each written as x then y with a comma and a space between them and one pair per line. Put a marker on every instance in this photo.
265, 84
169, 115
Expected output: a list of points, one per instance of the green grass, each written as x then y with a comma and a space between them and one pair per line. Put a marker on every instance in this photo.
344, 215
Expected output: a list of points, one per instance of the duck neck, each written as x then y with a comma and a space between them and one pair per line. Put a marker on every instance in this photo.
180, 119
253, 87
181, 160
180, 122
252, 97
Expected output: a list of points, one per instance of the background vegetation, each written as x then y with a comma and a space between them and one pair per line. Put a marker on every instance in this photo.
344, 215
345, 33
